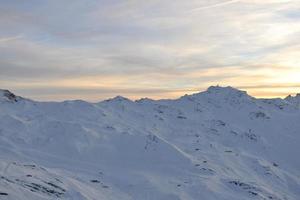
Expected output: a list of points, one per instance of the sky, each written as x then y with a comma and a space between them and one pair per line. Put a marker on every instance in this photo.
97, 49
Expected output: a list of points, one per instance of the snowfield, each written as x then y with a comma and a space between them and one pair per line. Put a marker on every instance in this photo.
221, 144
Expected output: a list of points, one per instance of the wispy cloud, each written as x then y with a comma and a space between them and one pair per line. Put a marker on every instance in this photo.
219, 4
8, 39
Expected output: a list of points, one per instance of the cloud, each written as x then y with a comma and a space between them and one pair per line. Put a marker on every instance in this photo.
173, 45
224, 3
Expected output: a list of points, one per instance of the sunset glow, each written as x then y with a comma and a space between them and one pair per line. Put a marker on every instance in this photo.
97, 49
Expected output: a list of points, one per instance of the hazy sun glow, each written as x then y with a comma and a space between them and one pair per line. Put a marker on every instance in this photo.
98, 49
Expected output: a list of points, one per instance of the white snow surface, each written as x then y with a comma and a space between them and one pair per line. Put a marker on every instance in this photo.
217, 144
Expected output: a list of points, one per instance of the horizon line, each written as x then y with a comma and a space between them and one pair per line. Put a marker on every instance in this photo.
180, 92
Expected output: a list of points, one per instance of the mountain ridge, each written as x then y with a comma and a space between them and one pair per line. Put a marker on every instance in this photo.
210, 90
217, 144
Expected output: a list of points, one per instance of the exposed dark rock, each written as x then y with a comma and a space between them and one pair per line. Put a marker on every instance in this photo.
95, 181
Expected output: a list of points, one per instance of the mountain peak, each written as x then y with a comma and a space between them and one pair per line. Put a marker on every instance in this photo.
119, 99
297, 96
227, 89
6, 95
220, 95
294, 99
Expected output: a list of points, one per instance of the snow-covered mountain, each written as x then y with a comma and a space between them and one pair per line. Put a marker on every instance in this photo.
217, 144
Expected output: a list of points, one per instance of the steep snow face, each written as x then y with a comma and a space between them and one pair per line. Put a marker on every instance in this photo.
217, 144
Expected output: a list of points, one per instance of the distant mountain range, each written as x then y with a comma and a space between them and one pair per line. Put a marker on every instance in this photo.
217, 144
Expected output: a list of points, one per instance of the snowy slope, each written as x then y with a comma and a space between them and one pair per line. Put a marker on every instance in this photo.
217, 144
